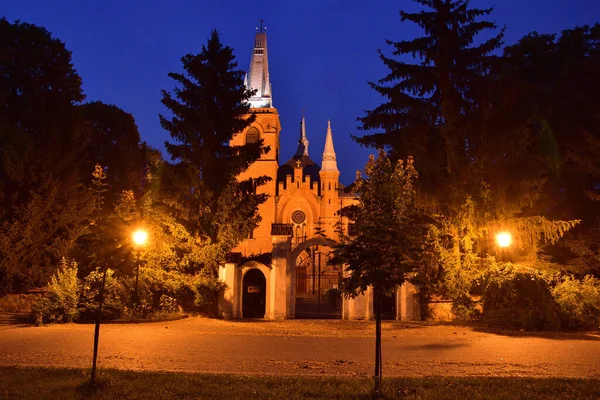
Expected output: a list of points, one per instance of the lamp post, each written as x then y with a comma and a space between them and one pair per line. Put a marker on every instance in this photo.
140, 237
504, 241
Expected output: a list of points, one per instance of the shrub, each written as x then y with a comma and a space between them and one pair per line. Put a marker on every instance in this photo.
115, 296
168, 304
519, 298
579, 302
60, 302
205, 289
466, 312
155, 283
19, 303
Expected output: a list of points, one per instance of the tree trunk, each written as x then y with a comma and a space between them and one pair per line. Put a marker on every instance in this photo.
378, 369
97, 328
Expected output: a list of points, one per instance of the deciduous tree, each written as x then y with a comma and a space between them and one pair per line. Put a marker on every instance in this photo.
44, 205
390, 234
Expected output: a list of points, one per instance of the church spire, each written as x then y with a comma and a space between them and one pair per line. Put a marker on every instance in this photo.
258, 76
303, 138
329, 163
303, 141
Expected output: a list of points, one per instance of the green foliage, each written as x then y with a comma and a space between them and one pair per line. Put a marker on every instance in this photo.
579, 302
155, 283
49, 143
205, 289
558, 73
18, 303
115, 296
60, 302
44, 205
201, 189
21, 382
488, 152
168, 304
519, 298
469, 313
390, 230
114, 142
429, 103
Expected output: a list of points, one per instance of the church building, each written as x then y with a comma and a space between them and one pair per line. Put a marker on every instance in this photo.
281, 271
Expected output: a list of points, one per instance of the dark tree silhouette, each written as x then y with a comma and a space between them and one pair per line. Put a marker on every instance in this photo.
44, 205
558, 76
428, 103
208, 108
113, 141
429, 106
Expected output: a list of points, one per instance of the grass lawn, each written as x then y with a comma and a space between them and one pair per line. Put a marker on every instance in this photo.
64, 384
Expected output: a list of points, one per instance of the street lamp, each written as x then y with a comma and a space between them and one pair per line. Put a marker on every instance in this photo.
504, 239
140, 237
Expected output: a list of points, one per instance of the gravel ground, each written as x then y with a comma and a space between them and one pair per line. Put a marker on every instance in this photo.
304, 347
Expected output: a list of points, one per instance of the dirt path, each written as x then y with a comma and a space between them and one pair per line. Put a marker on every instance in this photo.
303, 347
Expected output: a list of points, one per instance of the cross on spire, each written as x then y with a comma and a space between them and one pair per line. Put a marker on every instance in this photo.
262, 28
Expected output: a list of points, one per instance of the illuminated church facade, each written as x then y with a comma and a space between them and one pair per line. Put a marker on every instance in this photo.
281, 271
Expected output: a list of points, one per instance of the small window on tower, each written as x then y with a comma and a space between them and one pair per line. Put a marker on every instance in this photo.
253, 135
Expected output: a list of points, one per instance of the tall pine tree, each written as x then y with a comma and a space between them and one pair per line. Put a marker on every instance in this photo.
429, 103
428, 107
480, 153
209, 106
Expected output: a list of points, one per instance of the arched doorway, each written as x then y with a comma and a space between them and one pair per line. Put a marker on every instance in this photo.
254, 294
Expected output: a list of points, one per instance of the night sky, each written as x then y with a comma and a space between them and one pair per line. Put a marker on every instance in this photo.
321, 52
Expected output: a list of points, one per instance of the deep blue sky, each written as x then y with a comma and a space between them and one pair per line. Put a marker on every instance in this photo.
321, 52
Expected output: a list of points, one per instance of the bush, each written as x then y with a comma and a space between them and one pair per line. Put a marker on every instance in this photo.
115, 296
60, 302
205, 289
579, 302
466, 312
519, 298
155, 283
168, 304
19, 303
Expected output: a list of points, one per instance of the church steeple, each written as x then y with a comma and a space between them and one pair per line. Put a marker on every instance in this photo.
329, 163
303, 142
258, 76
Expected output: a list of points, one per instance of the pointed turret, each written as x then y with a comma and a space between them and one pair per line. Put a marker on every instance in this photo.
303, 141
258, 76
329, 163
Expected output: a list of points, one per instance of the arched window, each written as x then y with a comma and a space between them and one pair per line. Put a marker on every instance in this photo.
253, 135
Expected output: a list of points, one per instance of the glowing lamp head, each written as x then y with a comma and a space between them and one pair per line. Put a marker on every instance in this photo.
504, 239
140, 237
